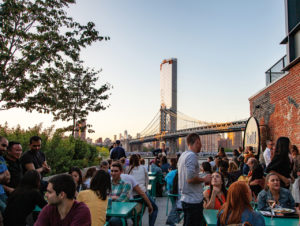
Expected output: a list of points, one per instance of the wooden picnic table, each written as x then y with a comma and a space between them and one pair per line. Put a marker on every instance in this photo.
122, 210
210, 217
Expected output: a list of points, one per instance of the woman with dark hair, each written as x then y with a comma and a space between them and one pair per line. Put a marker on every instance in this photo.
237, 208
88, 176
23, 199
164, 165
173, 165
222, 153
280, 164
96, 197
235, 157
215, 196
139, 172
75, 172
280, 196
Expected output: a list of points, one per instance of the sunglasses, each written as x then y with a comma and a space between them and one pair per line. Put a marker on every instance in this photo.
4, 145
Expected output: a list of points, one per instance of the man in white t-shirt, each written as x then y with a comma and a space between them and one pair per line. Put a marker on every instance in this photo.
267, 152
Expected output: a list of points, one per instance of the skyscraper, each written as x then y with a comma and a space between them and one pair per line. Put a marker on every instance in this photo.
168, 93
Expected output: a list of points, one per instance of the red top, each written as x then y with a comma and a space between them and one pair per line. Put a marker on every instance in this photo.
218, 202
79, 215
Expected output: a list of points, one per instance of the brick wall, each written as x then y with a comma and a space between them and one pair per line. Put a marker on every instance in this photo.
277, 108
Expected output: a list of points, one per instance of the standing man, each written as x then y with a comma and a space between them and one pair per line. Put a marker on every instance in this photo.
4, 174
62, 208
190, 184
267, 152
13, 155
117, 152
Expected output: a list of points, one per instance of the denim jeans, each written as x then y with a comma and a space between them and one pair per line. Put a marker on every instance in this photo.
115, 221
193, 214
153, 215
3, 199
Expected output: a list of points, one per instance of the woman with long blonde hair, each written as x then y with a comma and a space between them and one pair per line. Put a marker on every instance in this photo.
237, 208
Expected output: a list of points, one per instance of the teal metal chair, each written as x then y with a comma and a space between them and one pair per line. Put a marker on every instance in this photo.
172, 198
141, 213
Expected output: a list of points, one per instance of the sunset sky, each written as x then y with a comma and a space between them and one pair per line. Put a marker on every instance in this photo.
223, 49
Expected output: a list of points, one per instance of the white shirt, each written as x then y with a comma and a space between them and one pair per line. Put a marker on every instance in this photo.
140, 174
129, 180
188, 168
267, 156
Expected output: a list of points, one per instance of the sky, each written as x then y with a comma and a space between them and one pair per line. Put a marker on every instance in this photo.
223, 49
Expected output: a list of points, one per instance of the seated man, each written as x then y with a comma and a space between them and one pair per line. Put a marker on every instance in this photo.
12, 158
4, 173
120, 191
62, 209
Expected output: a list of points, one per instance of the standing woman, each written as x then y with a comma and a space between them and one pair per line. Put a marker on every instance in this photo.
75, 172
96, 197
280, 164
215, 196
237, 208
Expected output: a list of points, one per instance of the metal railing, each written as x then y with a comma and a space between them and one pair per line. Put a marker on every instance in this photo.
276, 71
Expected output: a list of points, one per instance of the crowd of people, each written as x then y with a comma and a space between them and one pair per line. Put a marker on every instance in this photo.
236, 186
239, 185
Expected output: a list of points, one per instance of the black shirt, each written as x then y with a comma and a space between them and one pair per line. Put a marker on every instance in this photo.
20, 204
117, 153
16, 172
37, 158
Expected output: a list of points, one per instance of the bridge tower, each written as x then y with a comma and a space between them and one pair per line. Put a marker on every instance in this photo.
168, 99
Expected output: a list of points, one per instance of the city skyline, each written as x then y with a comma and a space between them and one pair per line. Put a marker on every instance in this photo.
223, 50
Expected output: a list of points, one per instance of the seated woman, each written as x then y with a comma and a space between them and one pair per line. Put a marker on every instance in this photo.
96, 197
215, 196
164, 165
75, 172
205, 169
273, 191
23, 200
88, 176
237, 208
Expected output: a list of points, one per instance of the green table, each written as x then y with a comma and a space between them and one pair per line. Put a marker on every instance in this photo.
210, 217
152, 173
122, 210
152, 180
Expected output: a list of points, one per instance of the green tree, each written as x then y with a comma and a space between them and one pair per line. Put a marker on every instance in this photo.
77, 96
37, 40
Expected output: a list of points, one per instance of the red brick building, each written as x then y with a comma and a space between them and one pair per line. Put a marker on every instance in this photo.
277, 106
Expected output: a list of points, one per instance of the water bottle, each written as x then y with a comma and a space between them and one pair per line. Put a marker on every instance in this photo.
109, 203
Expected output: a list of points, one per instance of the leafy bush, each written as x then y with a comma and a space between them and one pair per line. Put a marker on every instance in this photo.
61, 152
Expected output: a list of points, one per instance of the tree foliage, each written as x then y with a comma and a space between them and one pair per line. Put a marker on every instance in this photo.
61, 152
40, 59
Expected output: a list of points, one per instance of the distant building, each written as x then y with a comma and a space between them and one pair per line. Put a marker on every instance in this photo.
107, 142
80, 130
168, 94
99, 141
89, 140
210, 142
225, 143
115, 138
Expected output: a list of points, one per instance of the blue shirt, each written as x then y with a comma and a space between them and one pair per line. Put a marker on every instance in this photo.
285, 200
169, 179
3, 168
254, 218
